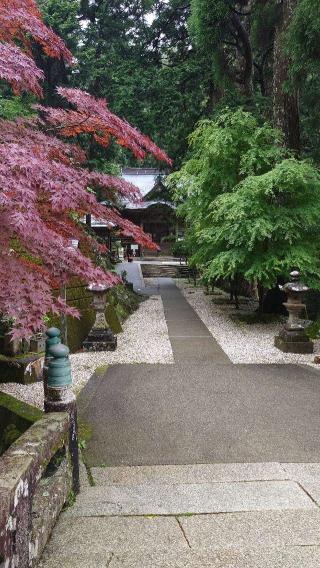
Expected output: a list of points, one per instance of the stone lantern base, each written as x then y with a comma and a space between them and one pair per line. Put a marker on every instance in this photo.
293, 341
100, 340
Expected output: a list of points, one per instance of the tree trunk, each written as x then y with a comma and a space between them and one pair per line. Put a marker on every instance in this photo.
246, 54
285, 104
260, 290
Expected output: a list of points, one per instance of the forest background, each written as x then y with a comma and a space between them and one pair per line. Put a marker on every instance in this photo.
165, 65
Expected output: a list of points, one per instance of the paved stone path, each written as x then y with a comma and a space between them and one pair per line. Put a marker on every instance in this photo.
260, 510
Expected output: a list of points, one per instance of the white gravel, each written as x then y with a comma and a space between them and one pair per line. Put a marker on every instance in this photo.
144, 340
248, 344
32, 394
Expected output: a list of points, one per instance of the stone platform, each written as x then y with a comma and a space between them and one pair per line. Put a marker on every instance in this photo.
196, 464
219, 516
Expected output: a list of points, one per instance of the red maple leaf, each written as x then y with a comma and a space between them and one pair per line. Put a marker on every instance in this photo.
43, 184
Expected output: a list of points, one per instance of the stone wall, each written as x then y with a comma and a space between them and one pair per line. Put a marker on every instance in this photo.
121, 302
35, 482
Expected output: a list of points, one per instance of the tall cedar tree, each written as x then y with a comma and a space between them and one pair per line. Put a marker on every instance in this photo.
44, 188
244, 40
285, 101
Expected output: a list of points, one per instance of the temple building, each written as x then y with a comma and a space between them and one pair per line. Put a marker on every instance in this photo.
156, 214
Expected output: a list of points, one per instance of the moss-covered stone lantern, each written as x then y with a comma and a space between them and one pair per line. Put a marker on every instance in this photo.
292, 338
100, 337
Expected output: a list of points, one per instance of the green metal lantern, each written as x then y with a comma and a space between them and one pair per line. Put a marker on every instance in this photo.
59, 367
53, 338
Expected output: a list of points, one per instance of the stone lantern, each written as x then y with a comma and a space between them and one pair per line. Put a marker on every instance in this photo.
292, 338
100, 337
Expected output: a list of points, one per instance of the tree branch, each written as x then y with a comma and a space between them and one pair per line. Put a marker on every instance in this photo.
62, 126
240, 13
247, 50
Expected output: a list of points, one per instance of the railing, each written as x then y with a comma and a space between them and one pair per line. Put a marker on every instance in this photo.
35, 481
40, 469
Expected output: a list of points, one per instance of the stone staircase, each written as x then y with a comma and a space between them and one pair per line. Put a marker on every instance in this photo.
165, 270
197, 516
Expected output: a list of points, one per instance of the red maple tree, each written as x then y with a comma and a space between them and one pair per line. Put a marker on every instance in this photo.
44, 187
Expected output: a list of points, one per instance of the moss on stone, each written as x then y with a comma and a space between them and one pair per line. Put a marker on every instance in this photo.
14, 369
21, 409
84, 431
101, 370
121, 303
113, 319
15, 418
12, 359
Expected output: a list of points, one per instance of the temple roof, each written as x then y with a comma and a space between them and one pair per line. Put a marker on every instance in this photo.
143, 178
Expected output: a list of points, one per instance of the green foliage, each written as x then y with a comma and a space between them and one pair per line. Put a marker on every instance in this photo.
208, 22
70, 501
313, 330
191, 59
125, 300
252, 318
180, 248
148, 72
304, 39
266, 226
113, 319
265, 17
11, 108
122, 302
303, 46
222, 153
63, 17
82, 444
251, 211
15, 418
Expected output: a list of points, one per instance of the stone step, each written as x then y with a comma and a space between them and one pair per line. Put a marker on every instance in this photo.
257, 539
290, 557
194, 516
242, 531
205, 473
200, 498
163, 270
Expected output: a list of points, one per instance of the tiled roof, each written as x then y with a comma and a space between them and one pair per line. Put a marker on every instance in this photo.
140, 171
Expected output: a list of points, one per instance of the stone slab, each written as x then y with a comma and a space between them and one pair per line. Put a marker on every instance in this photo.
76, 561
84, 481
123, 534
192, 328
252, 530
302, 471
200, 473
294, 346
177, 305
178, 308
176, 314
290, 557
202, 349
168, 290
190, 498
198, 411
313, 489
